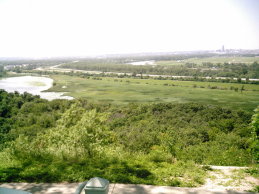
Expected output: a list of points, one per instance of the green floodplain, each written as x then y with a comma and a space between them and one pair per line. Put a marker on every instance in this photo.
126, 90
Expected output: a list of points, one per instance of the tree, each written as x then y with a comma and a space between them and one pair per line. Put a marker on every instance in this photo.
255, 132
242, 88
79, 133
2, 71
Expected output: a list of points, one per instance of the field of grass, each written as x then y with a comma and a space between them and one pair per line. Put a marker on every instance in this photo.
199, 61
126, 90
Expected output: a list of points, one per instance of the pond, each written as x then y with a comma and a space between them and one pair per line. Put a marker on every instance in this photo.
33, 85
143, 63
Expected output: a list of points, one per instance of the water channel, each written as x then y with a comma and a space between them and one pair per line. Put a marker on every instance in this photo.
33, 85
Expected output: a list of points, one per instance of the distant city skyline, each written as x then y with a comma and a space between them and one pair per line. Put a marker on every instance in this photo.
49, 28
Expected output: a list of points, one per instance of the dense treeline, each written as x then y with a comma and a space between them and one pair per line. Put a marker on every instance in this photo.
153, 144
99, 76
18, 65
35, 62
120, 63
236, 70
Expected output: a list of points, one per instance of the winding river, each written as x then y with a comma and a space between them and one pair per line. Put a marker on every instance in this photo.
33, 85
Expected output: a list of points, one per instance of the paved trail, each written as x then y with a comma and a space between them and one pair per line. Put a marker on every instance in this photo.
70, 188
222, 180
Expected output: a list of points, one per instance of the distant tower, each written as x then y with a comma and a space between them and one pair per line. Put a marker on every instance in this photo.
223, 48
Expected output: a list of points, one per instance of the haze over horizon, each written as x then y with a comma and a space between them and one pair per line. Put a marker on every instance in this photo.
49, 28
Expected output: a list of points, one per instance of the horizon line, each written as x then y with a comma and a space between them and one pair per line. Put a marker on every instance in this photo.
217, 51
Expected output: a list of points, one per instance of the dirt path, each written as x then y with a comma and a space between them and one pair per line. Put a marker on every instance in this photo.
229, 178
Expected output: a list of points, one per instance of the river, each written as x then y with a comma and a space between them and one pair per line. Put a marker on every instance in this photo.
33, 85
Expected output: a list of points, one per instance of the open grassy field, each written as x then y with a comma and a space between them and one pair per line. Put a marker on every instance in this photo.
126, 90
199, 61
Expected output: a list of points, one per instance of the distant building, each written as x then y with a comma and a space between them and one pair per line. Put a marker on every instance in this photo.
223, 48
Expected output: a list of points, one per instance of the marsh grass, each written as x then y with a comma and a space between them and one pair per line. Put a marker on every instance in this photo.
125, 90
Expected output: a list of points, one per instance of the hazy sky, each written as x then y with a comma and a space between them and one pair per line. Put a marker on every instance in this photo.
40, 28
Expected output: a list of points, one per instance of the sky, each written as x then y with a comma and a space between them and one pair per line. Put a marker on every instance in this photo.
48, 28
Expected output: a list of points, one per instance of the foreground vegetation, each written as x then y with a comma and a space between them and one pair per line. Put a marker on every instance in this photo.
162, 144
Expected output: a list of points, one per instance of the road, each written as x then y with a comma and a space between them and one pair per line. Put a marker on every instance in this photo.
57, 69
